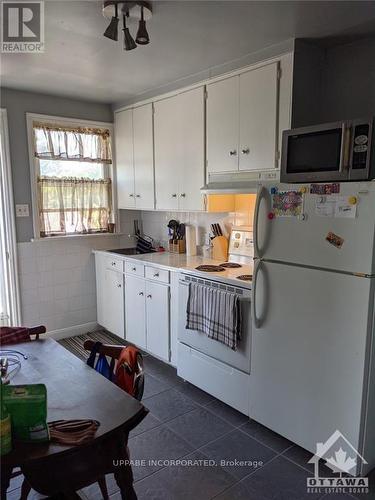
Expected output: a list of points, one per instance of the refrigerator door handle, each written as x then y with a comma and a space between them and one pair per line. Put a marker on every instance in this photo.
257, 320
262, 192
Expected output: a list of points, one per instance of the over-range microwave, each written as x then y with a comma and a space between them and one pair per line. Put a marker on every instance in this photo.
341, 151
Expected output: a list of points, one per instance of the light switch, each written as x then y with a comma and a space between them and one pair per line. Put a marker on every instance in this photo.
22, 211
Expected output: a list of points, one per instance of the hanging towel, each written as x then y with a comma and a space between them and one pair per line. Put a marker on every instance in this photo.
214, 312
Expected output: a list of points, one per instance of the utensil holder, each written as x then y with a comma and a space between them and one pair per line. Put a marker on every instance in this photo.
177, 246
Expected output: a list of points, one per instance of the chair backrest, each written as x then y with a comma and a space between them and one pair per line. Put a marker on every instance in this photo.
129, 372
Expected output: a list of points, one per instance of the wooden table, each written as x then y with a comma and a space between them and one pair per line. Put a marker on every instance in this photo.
74, 391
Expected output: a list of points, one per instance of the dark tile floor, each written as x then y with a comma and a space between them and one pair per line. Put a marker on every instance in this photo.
206, 439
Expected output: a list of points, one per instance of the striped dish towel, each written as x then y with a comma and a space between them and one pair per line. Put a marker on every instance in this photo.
215, 312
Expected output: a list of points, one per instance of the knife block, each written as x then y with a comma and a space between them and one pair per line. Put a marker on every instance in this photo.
220, 248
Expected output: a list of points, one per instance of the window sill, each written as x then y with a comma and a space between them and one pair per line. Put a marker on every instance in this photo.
74, 236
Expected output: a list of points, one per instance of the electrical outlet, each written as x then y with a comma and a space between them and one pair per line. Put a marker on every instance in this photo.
22, 211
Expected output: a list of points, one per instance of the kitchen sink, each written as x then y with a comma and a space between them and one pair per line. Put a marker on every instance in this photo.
126, 251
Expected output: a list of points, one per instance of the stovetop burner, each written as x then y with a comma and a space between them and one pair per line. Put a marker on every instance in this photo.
230, 265
245, 277
210, 269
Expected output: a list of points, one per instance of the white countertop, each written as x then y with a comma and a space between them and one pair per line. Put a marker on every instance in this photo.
184, 263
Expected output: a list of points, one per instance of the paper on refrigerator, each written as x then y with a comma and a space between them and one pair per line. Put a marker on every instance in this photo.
335, 206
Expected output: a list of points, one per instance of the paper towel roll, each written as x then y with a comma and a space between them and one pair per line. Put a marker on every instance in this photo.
191, 241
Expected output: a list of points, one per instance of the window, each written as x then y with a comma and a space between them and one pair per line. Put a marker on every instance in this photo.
73, 179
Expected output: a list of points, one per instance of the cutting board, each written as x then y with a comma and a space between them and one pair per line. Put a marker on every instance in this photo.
220, 248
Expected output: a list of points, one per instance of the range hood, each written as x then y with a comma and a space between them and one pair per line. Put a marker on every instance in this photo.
238, 182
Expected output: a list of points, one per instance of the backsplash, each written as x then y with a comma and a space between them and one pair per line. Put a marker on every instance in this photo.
57, 277
154, 223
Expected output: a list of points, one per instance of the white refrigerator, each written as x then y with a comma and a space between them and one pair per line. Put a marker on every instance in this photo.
313, 315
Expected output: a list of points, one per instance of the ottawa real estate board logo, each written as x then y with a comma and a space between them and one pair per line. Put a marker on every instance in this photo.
336, 464
22, 27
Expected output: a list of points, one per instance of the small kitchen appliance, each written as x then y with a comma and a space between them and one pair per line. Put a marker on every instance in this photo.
340, 151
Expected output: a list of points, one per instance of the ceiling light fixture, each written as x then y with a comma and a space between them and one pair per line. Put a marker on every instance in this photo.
140, 11
112, 31
142, 35
129, 43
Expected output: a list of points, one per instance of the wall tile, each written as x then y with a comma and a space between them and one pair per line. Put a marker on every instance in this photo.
57, 278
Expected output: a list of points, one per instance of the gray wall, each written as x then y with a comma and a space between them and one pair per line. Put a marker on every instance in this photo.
349, 81
18, 103
333, 83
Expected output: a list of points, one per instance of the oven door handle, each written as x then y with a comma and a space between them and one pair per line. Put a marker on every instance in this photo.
185, 283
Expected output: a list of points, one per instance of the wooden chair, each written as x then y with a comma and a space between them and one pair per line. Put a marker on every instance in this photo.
112, 351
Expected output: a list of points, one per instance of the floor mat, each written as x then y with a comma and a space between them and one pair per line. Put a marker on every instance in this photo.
75, 344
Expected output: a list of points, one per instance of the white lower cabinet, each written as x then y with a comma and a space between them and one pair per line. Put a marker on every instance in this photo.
135, 313
147, 315
111, 297
157, 319
134, 307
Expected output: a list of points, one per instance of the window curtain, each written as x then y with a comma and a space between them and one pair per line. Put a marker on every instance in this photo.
66, 143
71, 205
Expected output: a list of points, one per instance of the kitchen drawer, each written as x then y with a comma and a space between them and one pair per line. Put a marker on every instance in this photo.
114, 264
153, 273
135, 268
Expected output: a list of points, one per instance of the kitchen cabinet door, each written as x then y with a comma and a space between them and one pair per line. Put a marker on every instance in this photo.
168, 152
113, 302
135, 311
124, 159
143, 157
258, 118
191, 176
157, 318
223, 125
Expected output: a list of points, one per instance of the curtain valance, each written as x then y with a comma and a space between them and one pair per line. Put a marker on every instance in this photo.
58, 142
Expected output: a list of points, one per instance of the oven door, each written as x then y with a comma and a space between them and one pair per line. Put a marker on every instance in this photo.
316, 154
239, 359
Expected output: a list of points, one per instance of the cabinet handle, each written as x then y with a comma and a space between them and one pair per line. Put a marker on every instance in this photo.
246, 151
131, 195
119, 285
134, 268
156, 275
233, 152
137, 195
149, 296
174, 195
113, 263
182, 195
140, 293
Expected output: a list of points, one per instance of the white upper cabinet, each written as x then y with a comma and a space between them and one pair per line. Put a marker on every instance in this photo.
223, 125
191, 175
143, 157
168, 154
124, 159
134, 158
179, 151
242, 121
258, 118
